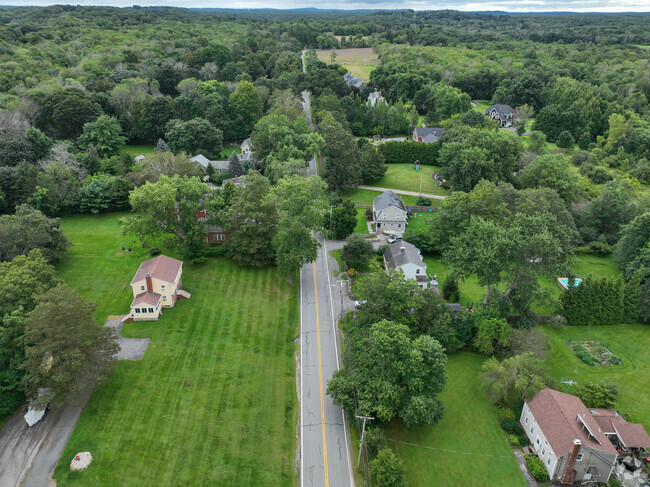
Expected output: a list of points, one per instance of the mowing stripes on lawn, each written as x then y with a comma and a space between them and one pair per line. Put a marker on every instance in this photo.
213, 401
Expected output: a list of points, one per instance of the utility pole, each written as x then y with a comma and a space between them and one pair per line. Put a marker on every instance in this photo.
363, 432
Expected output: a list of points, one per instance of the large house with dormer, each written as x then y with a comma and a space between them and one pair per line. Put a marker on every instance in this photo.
156, 285
574, 443
389, 213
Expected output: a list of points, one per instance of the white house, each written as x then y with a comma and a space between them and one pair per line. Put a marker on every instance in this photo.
504, 114
389, 213
405, 256
567, 438
374, 98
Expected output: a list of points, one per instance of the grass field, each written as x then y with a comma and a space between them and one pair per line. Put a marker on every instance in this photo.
630, 342
213, 402
472, 293
226, 152
136, 150
365, 196
478, 453
406, 178
362, 222
360, 61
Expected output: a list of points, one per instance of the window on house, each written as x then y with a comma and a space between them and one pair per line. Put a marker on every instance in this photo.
141, 288
531, 430
579, 457
150, 310
164, 297
137, 310
162, 287
543, 451
548, 462
399, 225
546, 442
537, 441
385, 216
417, 271
526, 420
398, 216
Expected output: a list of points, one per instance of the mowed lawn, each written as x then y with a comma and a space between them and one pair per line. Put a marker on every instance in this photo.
477, 450
359, 61
406, 178
630, 342
213, 402
136, 150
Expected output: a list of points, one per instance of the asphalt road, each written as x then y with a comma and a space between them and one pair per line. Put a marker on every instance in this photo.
325, 453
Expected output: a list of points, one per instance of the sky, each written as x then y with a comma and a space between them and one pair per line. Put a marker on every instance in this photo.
463, 5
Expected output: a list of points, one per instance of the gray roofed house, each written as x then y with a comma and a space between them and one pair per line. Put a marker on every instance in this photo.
389, 213
428, 135
353, 82
504, 114
204, 162
455, 307
406, 256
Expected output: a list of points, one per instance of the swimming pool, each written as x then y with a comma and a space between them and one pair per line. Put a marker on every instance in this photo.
564, 282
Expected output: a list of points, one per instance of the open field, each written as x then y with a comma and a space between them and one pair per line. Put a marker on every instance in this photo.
362, 222
136, 150
629, 342
406, 178
478, 453
213, 402
360, 61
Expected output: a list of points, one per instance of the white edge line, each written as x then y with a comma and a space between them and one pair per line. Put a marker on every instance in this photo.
336, 348
302, 451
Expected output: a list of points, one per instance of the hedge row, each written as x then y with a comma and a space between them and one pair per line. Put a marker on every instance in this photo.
408, 152
606, 301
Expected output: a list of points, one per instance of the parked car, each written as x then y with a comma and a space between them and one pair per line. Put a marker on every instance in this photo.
358, 304
394, 238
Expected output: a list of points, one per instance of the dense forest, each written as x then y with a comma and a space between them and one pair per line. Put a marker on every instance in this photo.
77, 84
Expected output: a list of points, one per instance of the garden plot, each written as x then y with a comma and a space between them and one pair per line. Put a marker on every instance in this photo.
593, 352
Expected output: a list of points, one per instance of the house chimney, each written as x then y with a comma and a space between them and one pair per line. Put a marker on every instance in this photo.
402, 249
390, 204
569, 473
149, 283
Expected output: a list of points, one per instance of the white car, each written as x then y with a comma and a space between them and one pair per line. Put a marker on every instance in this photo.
394, 238
358, 304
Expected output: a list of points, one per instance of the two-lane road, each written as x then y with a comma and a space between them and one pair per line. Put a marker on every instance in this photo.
325, 456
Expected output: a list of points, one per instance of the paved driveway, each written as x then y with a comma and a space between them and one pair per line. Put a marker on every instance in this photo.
28, 456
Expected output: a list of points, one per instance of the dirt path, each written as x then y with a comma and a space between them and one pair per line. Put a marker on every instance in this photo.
524, 468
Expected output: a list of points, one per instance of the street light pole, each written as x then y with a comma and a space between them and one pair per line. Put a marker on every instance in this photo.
363, 432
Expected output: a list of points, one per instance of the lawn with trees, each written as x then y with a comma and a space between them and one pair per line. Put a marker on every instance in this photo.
627, 342
466, 447
196, 393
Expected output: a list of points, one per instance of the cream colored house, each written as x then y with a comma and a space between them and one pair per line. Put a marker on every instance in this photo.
389, 213
156, 285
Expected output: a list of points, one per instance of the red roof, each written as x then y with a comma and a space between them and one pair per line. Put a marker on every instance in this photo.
161, 267
631, 435
564, 418
146, 298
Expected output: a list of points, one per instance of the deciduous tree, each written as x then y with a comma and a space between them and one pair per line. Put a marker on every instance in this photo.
67, 351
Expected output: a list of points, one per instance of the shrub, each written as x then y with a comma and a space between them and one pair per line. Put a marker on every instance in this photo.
422, 201
368, 214
154, 251
614, 360
510, 425
506, 413
514, 440
537, 468
407, 151
556, 322
387, 470
450, 288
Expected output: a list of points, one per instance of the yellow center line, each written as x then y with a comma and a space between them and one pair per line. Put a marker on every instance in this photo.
320, 377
